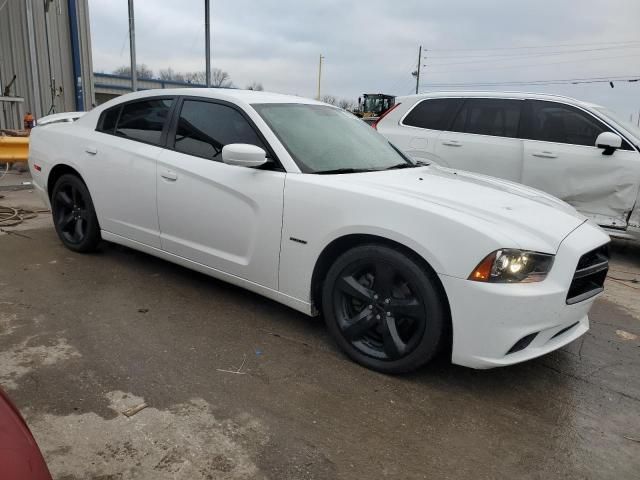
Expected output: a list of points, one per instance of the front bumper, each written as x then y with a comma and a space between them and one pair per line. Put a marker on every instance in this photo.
489, 318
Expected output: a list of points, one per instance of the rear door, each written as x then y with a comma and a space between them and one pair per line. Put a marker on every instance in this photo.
418, 131
121, 166
225, 217
483, 138
560, 157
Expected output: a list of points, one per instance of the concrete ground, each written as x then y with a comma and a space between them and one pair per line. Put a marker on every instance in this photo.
237, 386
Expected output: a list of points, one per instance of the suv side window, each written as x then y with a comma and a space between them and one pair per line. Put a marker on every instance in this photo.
560, 123
489, 116
205, 127
144, 120
433, 114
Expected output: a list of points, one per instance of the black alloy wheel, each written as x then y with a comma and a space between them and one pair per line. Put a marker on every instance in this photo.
384, 309
73, 214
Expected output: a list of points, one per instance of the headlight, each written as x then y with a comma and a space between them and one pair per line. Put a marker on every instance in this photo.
513, 266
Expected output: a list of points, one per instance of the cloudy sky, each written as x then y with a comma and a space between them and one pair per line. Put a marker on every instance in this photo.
372, 45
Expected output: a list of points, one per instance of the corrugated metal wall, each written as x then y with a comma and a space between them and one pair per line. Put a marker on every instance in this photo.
36, 47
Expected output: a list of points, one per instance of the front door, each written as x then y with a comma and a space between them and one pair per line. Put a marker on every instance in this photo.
225, 217
560, 157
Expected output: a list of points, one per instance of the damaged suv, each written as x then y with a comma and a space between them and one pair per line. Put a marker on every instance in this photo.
579, 152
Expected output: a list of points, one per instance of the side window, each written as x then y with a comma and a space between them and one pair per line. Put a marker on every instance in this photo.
560, 123
435, 114
489, 116
205, 127
108, 120
144, 120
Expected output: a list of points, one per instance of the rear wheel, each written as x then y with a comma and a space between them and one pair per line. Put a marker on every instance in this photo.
74, 217
385, 311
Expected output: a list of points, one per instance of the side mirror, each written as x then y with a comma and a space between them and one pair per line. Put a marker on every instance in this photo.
608, 141
243, 155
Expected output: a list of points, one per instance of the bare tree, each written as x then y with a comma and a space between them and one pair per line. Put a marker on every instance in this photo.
255, 86
347, 104
220, 78
168, 74
142, 70
330, 99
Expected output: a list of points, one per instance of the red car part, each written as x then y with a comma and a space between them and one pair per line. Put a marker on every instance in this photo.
20, 457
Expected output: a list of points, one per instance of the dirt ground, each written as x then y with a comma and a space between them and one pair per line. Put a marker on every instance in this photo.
237, 386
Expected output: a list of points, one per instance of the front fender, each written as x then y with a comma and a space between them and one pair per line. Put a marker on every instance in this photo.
315, 215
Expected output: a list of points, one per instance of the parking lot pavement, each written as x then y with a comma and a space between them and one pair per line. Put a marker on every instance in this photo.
237, 386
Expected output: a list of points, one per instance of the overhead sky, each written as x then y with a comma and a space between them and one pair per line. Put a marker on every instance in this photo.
372, 45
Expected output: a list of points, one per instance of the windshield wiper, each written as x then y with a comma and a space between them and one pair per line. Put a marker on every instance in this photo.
401, 165
345, 170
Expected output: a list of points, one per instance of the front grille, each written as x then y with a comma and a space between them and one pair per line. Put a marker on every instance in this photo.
590, 275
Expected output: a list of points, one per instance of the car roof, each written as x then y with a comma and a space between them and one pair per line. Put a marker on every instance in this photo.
493, 94
229, 94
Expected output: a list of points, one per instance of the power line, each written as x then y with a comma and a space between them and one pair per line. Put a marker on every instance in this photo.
530, 47
528, 65
571, 81
503, 56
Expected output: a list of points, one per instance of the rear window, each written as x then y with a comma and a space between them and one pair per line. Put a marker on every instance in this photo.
488, 116
144, 120
434, 114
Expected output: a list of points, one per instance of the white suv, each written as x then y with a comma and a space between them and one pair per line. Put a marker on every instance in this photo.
579, 152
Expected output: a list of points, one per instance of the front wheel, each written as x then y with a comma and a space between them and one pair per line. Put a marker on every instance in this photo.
74, 217
384, 310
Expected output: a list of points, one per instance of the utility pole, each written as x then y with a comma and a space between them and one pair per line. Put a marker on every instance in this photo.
320, 75
207, 39
132, 48
418, 70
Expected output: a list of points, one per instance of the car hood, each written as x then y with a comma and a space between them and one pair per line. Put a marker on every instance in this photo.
531, 218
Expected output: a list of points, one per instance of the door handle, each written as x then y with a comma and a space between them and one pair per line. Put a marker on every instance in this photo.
169, 175
544, 154
452, 143
91, 150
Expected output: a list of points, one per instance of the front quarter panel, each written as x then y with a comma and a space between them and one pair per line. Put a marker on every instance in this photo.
319, 209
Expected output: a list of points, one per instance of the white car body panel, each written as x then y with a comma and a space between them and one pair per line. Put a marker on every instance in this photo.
238, 236
265, 230
604, 188
461, 151
62, 117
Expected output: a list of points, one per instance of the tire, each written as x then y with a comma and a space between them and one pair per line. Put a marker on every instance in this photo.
74, 217
385, 311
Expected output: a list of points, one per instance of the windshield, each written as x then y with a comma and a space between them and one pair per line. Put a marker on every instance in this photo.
628, 126
323, 139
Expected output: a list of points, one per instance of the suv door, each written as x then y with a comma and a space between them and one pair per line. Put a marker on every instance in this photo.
420, 128
225, 217
560, 157
121, 165
483, 138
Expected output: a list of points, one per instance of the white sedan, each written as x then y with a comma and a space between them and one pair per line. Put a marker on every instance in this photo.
305, 204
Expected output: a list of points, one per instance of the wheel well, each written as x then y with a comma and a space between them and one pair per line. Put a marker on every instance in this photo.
56, 173
340, 245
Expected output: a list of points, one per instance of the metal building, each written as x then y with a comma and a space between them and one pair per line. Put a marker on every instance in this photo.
45, 58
